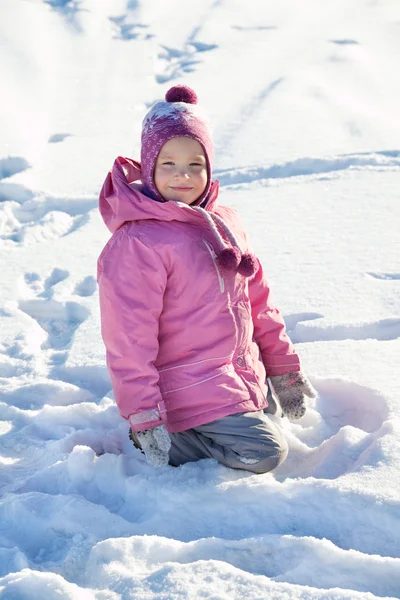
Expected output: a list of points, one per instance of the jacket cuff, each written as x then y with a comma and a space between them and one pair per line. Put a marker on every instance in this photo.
148, 419
280, 365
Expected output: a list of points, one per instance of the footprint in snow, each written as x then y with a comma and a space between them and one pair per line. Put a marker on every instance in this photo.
86, 287
126, 29
56, 276
58, 137
27, 217
68, 9
59, 319
175, 62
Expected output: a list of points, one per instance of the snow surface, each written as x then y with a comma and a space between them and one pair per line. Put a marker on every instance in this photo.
304, 100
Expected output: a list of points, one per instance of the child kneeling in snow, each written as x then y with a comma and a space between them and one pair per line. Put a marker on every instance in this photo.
187, 321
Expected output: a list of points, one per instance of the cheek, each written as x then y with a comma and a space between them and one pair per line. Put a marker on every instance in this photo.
159, 177
200, 177
203, 179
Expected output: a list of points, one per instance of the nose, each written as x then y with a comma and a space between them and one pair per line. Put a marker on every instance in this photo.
181, 173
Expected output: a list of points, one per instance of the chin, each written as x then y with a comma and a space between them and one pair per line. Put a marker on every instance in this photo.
184, 199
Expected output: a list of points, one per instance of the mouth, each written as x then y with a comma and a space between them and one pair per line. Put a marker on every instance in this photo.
181, 189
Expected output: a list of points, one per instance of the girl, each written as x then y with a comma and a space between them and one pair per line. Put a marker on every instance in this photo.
187, 320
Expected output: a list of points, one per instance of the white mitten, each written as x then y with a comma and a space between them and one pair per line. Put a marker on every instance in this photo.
291, 390
155, 444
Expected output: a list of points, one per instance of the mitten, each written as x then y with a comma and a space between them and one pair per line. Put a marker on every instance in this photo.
291, 390
155, 444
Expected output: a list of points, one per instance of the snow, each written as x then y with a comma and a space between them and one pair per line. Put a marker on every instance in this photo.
303, 99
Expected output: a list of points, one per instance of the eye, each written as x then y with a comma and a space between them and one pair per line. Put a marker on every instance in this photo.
168, 162
196, 164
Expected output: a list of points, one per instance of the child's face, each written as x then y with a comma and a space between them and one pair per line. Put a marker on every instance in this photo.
181, 170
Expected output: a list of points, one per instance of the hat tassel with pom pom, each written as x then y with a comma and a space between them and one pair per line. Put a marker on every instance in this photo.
246, 263
229, 258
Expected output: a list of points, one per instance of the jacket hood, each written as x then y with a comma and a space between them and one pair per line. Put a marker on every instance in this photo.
122, 199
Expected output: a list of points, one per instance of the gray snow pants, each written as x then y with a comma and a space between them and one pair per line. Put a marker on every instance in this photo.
248, 441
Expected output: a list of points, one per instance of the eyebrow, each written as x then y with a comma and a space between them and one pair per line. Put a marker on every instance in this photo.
194, 156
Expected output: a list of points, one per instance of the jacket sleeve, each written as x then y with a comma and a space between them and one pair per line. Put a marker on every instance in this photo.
132, 280
278, 353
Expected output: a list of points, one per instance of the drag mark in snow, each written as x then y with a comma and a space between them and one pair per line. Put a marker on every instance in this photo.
309, 167
246, 112
254, 27
292, 320
385, 276
383, 330
344, 42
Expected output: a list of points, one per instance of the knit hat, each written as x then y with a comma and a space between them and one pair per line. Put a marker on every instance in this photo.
178, 116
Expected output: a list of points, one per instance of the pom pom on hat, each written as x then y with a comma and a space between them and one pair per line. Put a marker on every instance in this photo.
181, 93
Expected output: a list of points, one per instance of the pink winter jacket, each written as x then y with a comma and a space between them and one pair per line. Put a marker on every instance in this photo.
186, 343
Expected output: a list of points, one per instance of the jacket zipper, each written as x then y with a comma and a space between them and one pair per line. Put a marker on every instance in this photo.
214, 259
